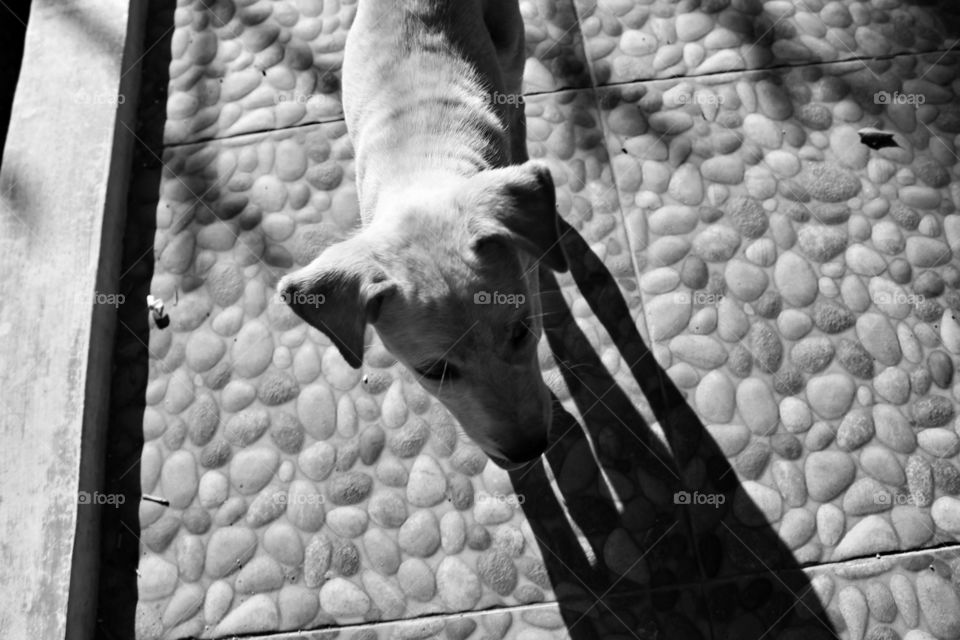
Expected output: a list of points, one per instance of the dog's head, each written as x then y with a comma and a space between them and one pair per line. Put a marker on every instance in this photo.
448, 277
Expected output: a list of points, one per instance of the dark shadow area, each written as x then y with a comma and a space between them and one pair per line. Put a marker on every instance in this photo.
120, 525
646, 580
915, 30
13, 31
897, 31
664, 568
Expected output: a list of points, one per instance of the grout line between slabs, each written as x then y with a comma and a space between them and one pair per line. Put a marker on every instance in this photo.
597, 87
779, 67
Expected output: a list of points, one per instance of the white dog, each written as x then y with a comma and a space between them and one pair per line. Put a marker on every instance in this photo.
456, 221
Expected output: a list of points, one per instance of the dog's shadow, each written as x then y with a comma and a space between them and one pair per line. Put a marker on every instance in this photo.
645, 531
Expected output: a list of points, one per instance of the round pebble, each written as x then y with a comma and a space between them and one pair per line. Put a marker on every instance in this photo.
453, 533
932, 411
458, 586
228, 548
821, 243
765, 346
866, 496
427, 484
383, 554
748, 216
714, 397
252, 350
914, 526
855, 359
828, 473
245, 428
347, 522
420, 534
828, 182
316, 409
830, 395
349, 488
893, 385
813, 354
946, 514
342, 598
261, 573
701, 351
266, 507
893, 429
417, 580
853, 607
940, 604
745, 281
795, 279
305, 506
830, 522
864, 261
252, 469
717, 243
919, 481
855, 430
387, 509
757, 406
871, 535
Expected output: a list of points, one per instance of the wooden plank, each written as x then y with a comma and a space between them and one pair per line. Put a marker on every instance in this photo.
63, 186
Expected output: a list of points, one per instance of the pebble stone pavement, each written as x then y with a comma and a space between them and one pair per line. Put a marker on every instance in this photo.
799, 287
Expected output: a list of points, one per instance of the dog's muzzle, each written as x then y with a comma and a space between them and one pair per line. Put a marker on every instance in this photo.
518, 458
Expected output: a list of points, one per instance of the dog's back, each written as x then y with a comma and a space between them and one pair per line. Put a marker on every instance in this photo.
421, 80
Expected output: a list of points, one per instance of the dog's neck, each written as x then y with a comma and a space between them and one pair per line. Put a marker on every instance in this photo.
445, 128
431, 121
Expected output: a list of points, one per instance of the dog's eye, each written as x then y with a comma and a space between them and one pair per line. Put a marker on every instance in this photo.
439, 370
519, 334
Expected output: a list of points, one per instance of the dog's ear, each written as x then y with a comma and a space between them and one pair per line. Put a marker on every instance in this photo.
339, 293
519, 204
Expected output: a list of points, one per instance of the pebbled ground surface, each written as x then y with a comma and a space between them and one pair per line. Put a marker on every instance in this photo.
760, 338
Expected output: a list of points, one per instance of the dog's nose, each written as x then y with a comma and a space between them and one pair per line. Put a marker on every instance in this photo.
526, 454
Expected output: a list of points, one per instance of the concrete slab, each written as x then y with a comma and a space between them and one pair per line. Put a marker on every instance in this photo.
62, 189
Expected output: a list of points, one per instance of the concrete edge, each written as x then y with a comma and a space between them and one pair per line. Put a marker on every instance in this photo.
63, 189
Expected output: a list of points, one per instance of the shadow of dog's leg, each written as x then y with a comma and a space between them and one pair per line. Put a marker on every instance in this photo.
607, 409
564, 556
617, 436
598, 286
